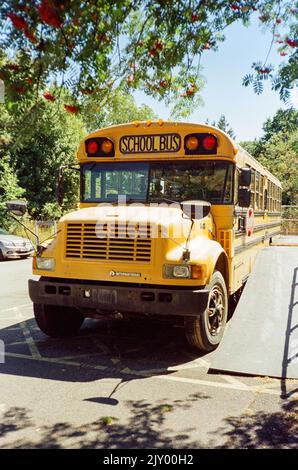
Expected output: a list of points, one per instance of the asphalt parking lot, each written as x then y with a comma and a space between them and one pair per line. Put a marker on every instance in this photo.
125, 384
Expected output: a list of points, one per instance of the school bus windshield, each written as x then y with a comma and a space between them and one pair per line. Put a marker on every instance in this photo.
154, 181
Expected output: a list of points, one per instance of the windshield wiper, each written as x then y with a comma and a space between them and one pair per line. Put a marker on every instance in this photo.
157, 199
128, 199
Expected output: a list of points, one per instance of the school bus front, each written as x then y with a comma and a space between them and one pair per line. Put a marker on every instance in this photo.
156, 200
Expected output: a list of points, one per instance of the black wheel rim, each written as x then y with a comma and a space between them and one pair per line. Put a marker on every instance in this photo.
215, 310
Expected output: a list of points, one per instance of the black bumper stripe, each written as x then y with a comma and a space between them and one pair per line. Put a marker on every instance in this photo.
151, 301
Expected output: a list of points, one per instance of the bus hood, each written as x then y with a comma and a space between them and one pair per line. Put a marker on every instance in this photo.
162, 214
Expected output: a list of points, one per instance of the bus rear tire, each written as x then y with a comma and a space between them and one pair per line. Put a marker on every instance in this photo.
205, 331
56, 321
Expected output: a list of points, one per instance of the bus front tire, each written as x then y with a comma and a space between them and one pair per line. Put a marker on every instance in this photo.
57, 321
205, 331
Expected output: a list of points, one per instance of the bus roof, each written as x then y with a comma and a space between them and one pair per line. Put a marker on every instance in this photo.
231, 148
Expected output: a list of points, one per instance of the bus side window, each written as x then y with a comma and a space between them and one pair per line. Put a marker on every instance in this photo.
252, 188
275, 198
266, 199
236, 185
262, 192
257, 190
270, 196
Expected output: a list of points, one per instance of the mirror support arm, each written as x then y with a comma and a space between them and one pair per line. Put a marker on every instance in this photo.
39, 248
186, 252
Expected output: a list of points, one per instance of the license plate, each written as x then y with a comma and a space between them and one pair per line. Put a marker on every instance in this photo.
106, 296
24, 249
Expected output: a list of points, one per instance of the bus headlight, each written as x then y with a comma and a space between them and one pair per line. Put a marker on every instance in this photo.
46, 264
185, 271
176, 271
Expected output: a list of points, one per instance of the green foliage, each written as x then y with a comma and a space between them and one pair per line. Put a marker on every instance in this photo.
9, 184
280, 156
285, 121
52, 142
224, 125
94, 46
9, 189
118, 109
277, 149
251, 146
37, 136
35, 141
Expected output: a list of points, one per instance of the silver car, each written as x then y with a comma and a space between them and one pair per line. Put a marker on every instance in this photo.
12, 246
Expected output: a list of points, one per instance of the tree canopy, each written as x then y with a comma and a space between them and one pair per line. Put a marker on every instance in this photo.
277, 149
224, 125
285, 121
119, 108
92, 46
33, 145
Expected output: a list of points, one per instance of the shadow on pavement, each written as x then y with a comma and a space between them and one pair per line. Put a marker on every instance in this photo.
116, 348
146, 428
150, 426
262, 429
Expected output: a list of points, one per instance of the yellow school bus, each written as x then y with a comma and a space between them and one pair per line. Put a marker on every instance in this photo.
170, 220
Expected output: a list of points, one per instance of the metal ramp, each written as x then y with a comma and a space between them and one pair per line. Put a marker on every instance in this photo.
262, 336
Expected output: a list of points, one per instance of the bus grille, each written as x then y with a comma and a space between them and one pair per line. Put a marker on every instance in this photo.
84, 242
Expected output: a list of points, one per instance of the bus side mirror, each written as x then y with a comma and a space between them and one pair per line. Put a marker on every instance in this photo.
244, 197
18, 208
59, 193
245, 177
59, 180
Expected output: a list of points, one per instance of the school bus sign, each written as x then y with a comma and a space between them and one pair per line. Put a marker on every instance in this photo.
153, 143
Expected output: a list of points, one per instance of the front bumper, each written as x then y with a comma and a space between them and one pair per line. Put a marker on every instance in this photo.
13, 253
121, 298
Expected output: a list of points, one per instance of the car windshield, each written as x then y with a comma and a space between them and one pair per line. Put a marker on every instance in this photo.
156, 181
3, 232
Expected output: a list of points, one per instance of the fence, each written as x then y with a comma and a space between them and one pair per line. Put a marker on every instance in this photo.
289, 215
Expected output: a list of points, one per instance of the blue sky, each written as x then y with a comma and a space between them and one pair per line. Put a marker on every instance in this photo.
224, 93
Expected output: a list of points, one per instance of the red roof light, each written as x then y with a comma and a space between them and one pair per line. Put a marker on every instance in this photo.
209, 142
92, 147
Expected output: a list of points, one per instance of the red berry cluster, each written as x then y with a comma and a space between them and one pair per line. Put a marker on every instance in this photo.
71, 108
48, 96
235, 7
157, 47
292, 43
18, 21
30, 36
49, 14
264, 71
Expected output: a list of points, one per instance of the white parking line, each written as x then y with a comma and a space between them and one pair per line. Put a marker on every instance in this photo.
100, 344
207, 383
190, 365
79, 356
29, 340
54, 360
232, 380
149, 375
